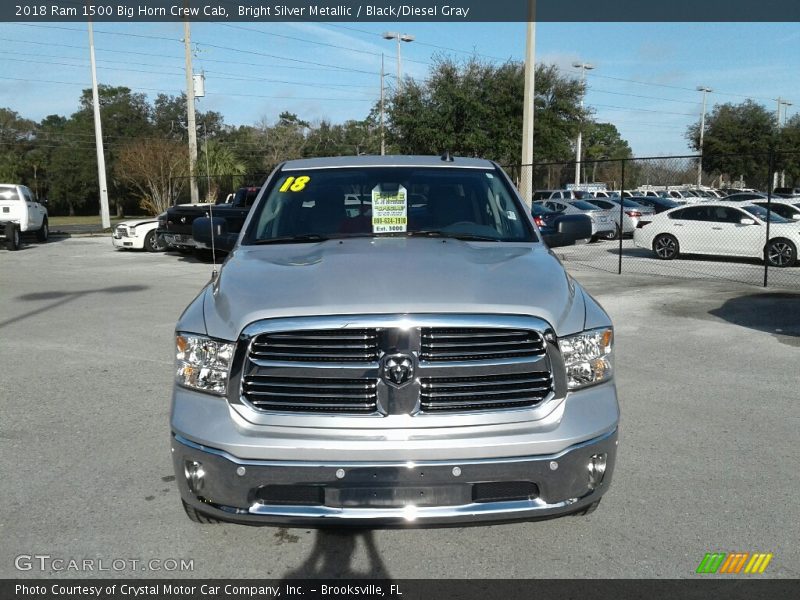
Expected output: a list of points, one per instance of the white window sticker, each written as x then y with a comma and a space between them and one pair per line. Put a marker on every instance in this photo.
511, 215
389, 210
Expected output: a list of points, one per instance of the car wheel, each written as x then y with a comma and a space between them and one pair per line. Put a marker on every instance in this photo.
153, 243
666, 246
13, 239
198, 517
43, 234
780, 253
612, 235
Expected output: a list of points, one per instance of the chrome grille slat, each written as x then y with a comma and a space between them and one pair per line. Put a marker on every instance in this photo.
350, 345
465, 344
309, 393
440, 394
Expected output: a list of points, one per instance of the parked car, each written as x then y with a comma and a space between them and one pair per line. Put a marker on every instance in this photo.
605, 194
684, 196
602, 222
553, 195
721, 229
745, 197
633, 214
440, 368
139, 234
644, 193
657, 203
176, 229
549, 222
787, 192
21, 213
787, 208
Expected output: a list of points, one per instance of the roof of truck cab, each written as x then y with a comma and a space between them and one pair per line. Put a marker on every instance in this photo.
338, 162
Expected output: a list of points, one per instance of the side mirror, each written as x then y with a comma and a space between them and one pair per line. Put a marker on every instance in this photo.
570, 229
206, 228
746, 221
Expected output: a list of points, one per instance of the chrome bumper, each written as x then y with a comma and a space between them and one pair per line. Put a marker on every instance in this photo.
383, 493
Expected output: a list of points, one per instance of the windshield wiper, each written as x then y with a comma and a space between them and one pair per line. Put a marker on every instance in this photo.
293, 239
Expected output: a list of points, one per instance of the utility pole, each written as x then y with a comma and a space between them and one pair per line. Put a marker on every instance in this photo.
526, 178
105, 218
705, 91
383, 133
583, 67
190, 116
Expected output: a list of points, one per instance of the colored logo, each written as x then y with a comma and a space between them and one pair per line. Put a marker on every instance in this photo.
734, 563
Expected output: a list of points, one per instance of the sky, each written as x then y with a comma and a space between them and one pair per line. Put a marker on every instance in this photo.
644, 78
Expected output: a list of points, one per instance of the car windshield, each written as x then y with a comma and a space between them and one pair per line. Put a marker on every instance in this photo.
582, 205
761, 213
630, 204
318, 204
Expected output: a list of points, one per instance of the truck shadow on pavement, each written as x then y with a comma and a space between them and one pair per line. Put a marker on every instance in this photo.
62, 298
333, 553
777, 313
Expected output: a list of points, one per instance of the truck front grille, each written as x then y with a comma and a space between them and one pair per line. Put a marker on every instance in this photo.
484, 392
344, 365
309, 394
351, 345
450, 344
121, 231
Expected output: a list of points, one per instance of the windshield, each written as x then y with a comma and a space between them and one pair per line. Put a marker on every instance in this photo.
583, 205
313, 205
761, 213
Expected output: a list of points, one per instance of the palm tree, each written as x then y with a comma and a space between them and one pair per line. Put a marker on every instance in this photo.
217, 163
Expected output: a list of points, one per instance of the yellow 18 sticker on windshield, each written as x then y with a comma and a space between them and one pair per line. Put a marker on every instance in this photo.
389, 210
295, 184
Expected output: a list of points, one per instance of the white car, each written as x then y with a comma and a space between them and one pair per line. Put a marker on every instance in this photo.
139, 234
602, 220
21, 213
721, 229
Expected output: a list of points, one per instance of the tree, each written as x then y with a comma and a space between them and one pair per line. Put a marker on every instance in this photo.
16, 135
737, 141
156, 168
602, 142
475, 109
221, 162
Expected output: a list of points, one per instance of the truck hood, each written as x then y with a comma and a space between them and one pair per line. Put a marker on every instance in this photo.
391, 276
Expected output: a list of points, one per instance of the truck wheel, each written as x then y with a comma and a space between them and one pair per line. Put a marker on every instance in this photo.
198, 517
43, 233
153, 243
12, 236
588, 510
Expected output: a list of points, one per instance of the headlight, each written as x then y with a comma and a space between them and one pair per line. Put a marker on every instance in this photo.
131, 229
588, 357
202, 363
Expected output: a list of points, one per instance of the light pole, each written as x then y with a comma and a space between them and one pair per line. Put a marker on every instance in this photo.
705, 90
526, 177
583, 67
105, 218
779, 121
383, 109
190, 114
400, 37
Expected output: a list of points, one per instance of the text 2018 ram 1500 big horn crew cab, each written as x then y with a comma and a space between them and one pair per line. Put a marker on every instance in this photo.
391, 342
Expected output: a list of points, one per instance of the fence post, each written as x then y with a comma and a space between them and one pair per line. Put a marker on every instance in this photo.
621, 215
770, 175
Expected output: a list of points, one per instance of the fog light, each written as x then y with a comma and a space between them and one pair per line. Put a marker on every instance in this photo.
195, 475
597, 469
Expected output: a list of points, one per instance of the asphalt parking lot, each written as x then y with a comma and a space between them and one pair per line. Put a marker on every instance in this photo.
706, 371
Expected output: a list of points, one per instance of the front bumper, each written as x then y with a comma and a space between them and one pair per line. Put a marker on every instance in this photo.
127, 242
179, 240
393, 493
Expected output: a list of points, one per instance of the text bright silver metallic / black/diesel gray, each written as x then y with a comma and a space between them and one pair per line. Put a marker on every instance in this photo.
390, 342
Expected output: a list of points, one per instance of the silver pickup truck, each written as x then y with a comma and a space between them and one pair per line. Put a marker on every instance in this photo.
391, 342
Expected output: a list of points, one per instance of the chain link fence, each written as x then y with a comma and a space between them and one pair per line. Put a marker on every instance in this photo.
666, 216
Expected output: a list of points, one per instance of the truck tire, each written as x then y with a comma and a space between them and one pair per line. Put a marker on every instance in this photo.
43, 233
13, 239
153, 243
198, 517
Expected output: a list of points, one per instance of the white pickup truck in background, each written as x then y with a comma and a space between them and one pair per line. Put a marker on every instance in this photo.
20, 213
